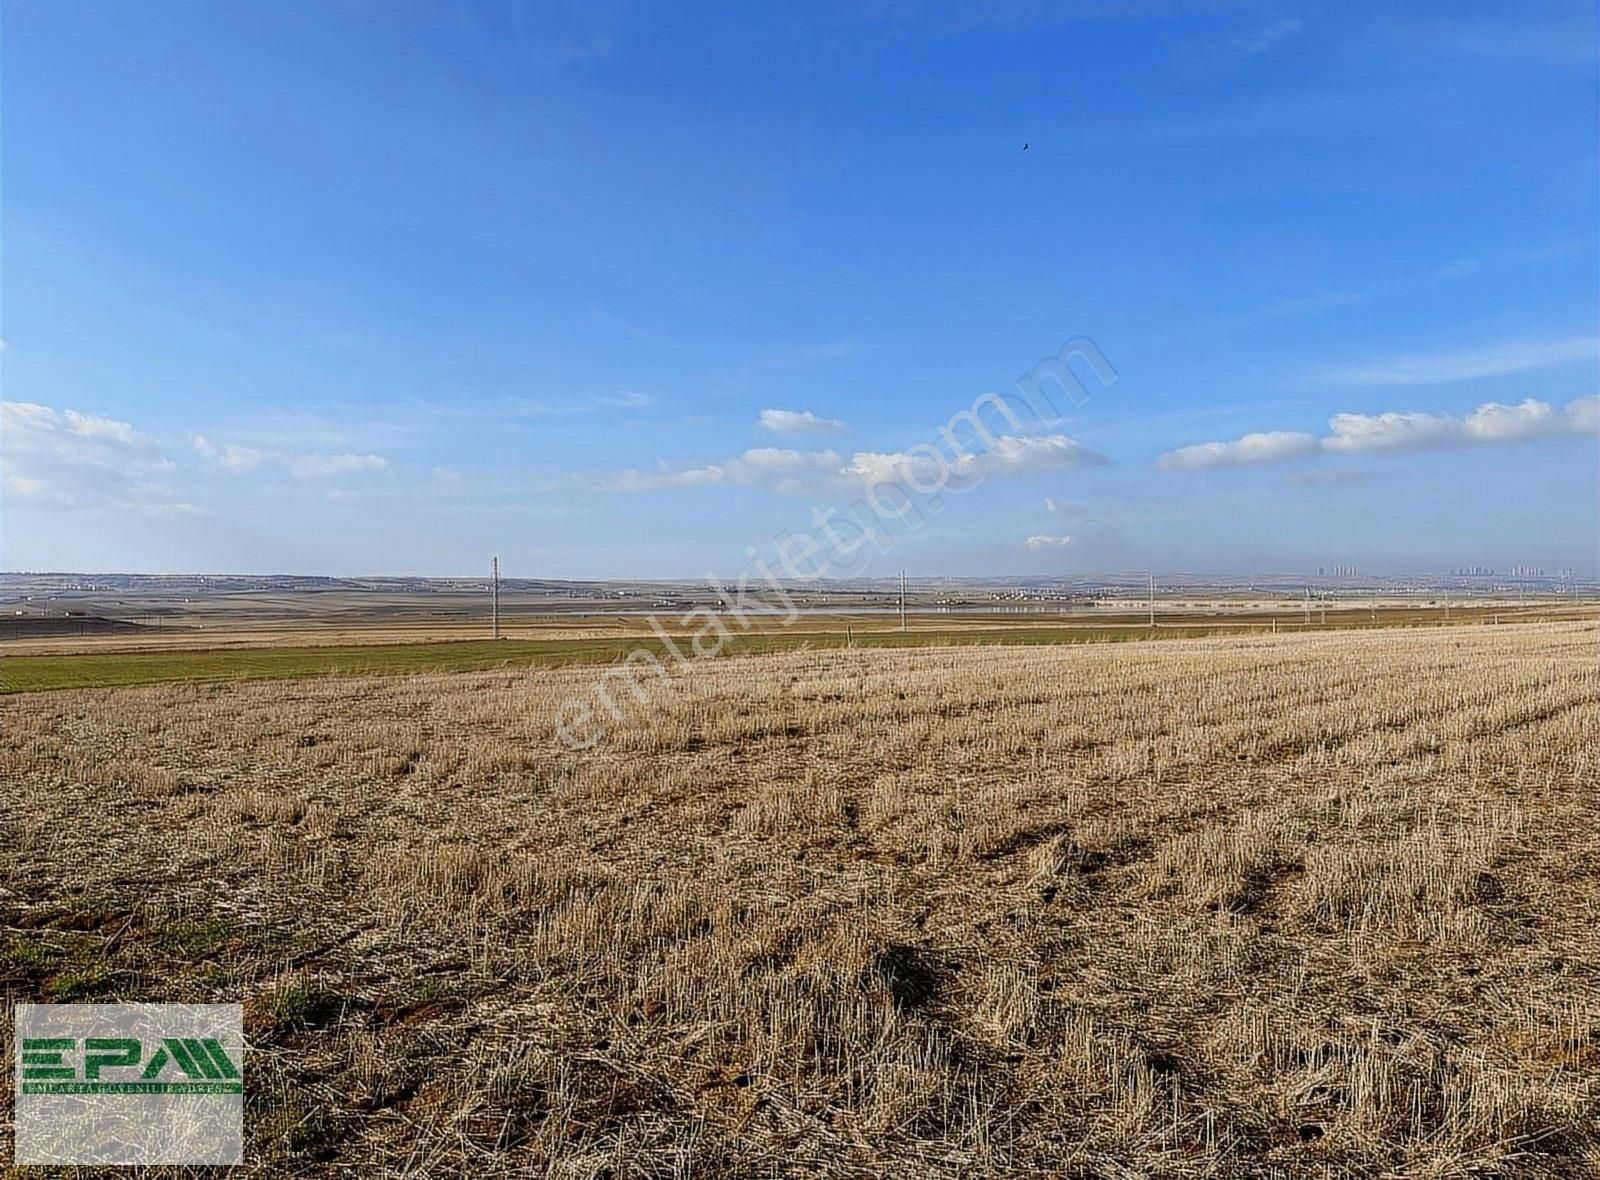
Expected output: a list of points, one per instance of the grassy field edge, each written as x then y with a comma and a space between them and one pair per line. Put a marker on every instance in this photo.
44, 673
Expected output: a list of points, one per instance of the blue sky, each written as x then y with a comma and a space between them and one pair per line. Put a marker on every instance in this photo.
387, 288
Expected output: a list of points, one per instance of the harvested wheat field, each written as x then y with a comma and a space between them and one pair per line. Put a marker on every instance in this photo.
1316, 905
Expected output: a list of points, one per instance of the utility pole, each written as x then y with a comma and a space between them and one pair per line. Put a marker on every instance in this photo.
495, 578
1152, 600
1308, 606
902, 600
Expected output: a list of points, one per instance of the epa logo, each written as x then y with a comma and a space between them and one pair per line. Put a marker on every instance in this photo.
201, 1066
129, 1084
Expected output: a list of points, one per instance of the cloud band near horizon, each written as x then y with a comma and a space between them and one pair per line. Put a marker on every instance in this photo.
1491, 422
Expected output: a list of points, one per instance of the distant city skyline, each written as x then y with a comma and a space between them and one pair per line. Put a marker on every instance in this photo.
325, 289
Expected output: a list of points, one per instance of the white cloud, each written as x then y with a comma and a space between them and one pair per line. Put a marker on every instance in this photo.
1388, 432
927, 467
1017, 453
1041, 541
1264, 447
67, 459
106, 430
239, 459
322, 466
1583, 415
765, 459
1492, 422
228, 456
791, 472
920, 468
1054, 507
26, 418
775, 466
1513, 357
236, 458
797, 421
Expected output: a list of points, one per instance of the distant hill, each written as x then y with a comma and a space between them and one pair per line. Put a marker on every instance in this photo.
61, 626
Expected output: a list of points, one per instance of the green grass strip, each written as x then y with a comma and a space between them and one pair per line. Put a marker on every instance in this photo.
41, 673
